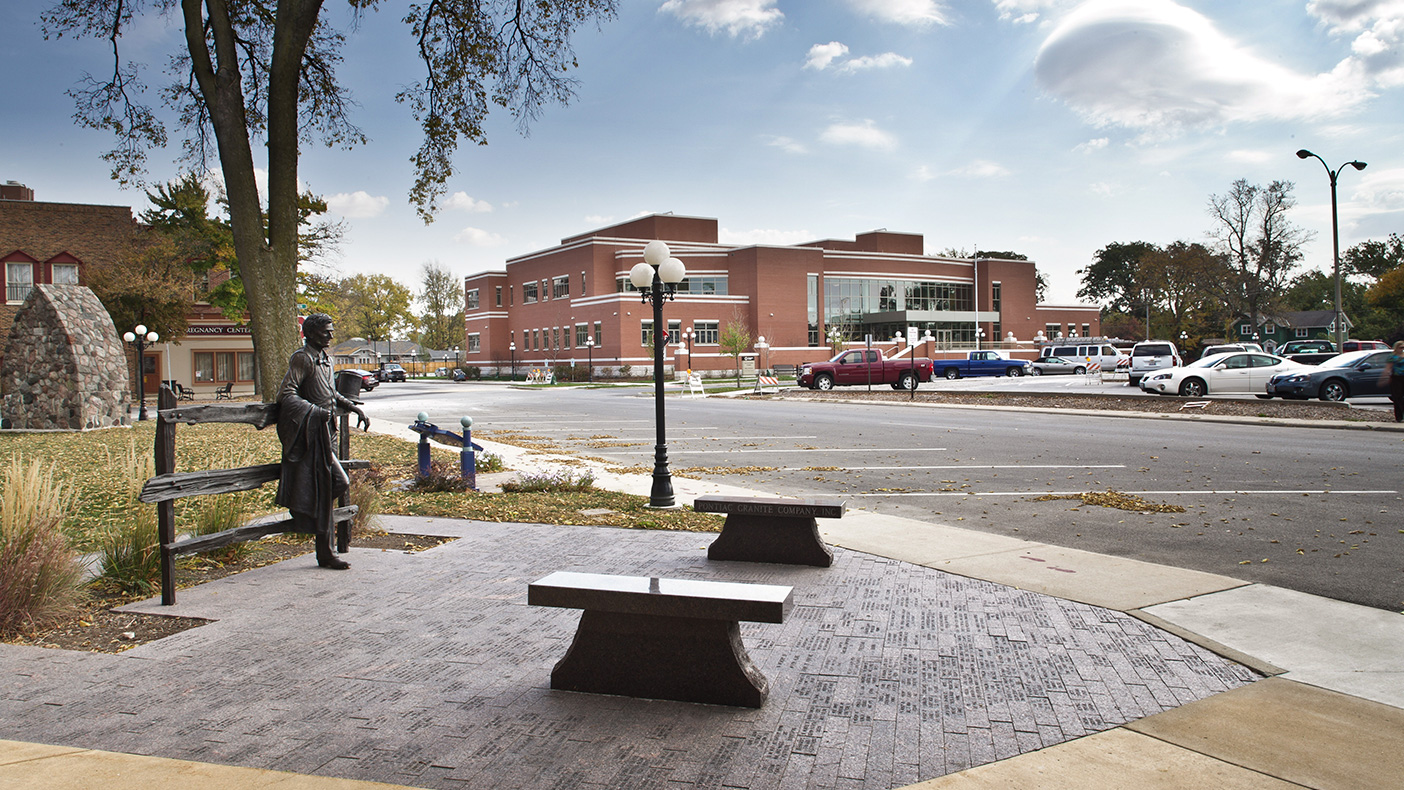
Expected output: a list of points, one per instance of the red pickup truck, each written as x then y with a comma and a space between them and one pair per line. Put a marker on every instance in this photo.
863, 367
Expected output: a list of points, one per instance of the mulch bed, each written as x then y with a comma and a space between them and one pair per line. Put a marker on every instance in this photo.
96, 628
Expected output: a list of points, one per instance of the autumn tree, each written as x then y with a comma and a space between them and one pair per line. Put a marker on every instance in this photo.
375, 307
735, 340
441, 302
265, 72
1112, 280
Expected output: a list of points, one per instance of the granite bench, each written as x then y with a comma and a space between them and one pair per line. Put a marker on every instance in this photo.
759, 529
675, 639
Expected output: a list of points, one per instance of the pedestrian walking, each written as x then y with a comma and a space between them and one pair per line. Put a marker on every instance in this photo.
1394, 370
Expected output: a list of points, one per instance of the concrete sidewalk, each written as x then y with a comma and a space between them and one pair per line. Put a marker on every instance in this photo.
1330, 714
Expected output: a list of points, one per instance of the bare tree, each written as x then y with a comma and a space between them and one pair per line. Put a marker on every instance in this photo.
1260, 246
441, 299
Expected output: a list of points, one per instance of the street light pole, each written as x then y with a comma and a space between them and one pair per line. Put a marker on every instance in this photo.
657, 279
513, 348
1335, 237
143, 340
590, 360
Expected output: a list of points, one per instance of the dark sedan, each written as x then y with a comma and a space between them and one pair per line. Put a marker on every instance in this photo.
1350, 375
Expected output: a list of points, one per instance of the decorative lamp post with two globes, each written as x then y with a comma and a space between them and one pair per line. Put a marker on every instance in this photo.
657, 279
143, 340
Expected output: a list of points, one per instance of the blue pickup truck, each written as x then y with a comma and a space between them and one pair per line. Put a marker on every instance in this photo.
979, 363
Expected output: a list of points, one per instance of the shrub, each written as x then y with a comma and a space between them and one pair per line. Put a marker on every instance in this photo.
443, 476
366, 485
39, 575
130, 554
625, 370
560, 481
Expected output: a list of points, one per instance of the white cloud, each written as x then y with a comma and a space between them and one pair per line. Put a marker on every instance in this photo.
767, 236
1090, 146
1102, 188
787, 144
462, 202
864, 135
982, 168
1380, 190
884, 61
598, 220
357, 205
747, 18
821, 55
1158, 66
1378, 25
1252, 157
477, 237
1022, 12
903, 12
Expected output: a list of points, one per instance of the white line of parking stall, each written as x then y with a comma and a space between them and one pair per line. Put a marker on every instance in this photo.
981, 466
804, 450
1209, 492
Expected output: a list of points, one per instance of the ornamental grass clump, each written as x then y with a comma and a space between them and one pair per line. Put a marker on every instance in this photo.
129, 548
39, 573
560, 481
220, 512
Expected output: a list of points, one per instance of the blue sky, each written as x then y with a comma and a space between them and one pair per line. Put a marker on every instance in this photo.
1047, 127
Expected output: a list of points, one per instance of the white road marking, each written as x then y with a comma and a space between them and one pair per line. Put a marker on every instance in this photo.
1212, 492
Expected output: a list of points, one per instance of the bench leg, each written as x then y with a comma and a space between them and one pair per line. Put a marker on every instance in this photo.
675, 658
788, 540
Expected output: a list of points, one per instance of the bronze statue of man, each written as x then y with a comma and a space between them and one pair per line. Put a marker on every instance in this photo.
312, 478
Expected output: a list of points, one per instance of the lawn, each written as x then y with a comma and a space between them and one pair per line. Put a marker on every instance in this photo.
94, 464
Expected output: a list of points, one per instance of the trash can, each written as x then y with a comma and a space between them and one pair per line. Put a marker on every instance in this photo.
348, 383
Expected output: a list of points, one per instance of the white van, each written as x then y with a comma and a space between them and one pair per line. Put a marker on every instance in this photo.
1103, 354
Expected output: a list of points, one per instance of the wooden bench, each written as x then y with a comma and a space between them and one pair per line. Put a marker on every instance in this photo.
168, 485
676, 639
758, 529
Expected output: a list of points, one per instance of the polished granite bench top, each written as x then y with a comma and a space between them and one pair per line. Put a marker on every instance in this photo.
770, 506
760, 603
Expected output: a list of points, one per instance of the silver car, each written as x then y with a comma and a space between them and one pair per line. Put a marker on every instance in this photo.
1052, 366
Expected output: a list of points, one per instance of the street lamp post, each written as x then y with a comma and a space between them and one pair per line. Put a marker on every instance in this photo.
143, 340
590, 360
763, 348
513, 348
687, 344
657, 279
1335, 237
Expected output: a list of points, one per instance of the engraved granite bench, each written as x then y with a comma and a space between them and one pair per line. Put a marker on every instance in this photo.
676, 639
771, 530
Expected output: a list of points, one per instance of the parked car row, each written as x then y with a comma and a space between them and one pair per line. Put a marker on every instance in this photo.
1349, 375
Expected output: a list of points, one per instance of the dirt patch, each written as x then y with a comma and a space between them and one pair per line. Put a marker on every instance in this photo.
96, 628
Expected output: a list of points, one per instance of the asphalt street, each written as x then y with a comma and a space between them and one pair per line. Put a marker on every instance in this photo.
1310, 509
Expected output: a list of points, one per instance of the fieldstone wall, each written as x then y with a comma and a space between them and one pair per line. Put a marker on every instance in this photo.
64, 365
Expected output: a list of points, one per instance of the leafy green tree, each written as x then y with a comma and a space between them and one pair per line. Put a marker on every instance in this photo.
1112, 280
735, 340
440, 298
265, 71
1374, 259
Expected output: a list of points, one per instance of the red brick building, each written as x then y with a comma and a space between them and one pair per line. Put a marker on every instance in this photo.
541, 310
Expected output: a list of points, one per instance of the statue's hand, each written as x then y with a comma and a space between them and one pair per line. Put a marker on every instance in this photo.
362, 421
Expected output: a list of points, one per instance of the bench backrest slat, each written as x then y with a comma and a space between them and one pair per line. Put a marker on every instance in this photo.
770, 506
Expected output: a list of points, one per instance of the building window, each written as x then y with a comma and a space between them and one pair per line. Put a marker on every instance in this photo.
511, 296
560, 287
65, 273
536, 340
582, 335
528, 293
545, 290
994, 297
703, 286
1051, 331
475, 343
674, 331
1086, 330
499, 296
599, 334
646, 333
223, 366
1245, 330
1301, 332
705, 333
624, 285
555, 337
19, 281
473, 299
582, 284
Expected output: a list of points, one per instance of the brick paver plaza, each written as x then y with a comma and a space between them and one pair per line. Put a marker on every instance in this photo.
431, 670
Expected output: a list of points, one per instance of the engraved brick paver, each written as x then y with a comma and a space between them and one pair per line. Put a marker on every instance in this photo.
430, 670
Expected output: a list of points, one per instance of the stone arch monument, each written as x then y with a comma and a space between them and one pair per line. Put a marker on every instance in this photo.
64, 365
